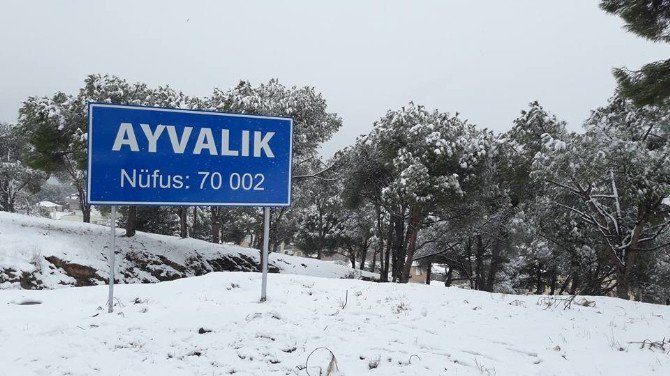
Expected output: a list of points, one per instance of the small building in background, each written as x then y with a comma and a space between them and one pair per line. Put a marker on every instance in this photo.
48, 207
419, 272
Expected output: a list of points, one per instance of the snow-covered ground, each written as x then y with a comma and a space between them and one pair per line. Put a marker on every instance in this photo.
214, 325
44, 253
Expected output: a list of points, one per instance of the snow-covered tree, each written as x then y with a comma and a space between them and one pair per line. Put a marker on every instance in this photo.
312, 125
17, 180
113, 89
354, 234
422, 159
56, 127
650, 19
613, 179
319, 215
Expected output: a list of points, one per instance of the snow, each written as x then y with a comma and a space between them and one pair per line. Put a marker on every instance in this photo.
26, 242
371, 328
402, 329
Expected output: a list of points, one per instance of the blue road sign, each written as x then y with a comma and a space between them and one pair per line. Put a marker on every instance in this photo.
158, 156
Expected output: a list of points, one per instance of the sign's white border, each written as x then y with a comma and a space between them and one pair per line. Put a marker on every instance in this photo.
91, 105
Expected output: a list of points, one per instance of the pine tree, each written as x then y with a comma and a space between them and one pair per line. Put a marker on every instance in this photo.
612, 180
649, 19
313, 124
425, 160
56, 127
16, 178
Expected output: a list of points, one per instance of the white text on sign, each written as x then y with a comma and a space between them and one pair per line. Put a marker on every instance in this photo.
205, 141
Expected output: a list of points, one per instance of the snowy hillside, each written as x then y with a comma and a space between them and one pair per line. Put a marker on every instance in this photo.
214, 325
44, 253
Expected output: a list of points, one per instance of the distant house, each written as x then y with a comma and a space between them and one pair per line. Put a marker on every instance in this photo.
48, 207
419, 272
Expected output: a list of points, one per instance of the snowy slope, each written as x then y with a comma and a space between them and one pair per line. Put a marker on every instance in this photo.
384, 329
44, 253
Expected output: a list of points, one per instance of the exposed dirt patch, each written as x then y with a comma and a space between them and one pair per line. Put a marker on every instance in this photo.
82, 274
27, 280
160, 267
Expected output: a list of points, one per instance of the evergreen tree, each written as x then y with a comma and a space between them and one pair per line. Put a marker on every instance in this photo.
17, 180
427, 159
613, 180
113, 89
319, 212
56, 127
312, 125
649, 19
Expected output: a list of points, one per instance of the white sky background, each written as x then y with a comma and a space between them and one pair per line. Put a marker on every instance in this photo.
485, 59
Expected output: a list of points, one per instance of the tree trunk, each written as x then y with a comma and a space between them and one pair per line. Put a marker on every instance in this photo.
468, 252
86, 213
493, 267
319, 249
364, 255
412, 233
624, 275
374, 261
564, 285
274, 227
384, 277
576, 281
624, 271
183, 225
6, 198
554, 281
398, 244
379, 250
322, 237
622, 286
538, 279
447, 278
479, 262
131, 221
216, 225
195, 221
428, 272
85, 208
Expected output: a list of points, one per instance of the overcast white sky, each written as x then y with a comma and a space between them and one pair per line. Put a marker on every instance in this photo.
485, 59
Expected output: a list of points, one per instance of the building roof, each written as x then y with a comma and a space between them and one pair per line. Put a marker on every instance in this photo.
47, 204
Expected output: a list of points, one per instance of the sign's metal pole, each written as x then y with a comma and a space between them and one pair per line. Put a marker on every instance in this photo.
112, 256
266, 246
